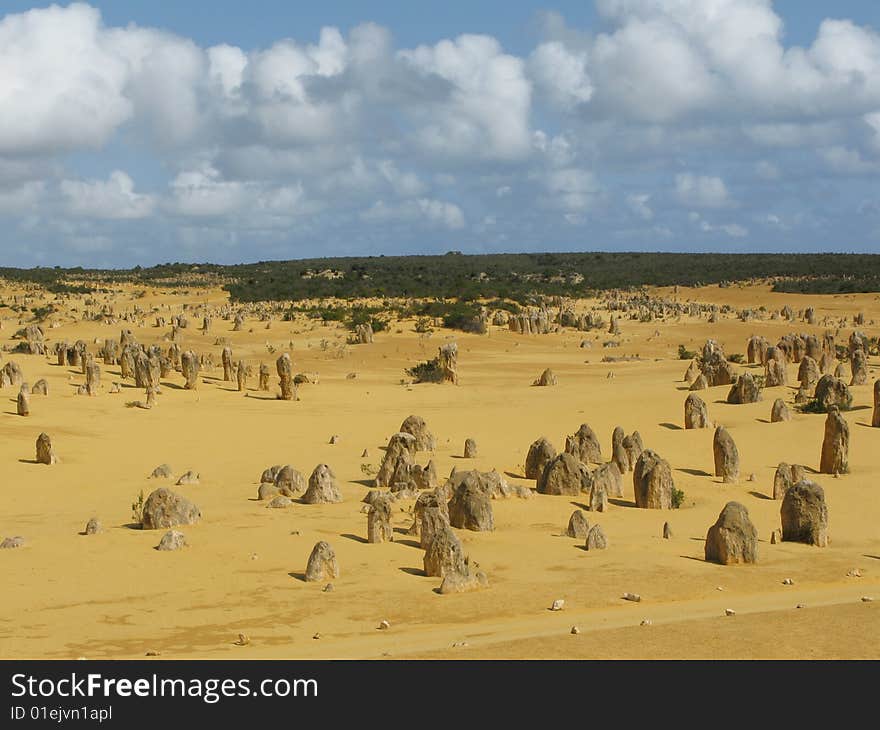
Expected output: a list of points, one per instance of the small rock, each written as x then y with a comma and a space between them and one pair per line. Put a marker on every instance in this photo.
294, 532
279, 502
632, 597
775, 537
729, 612
383, 625
788, 582
316, 636
243, 640
457, 644
153, 652
93, 527
867, 599
646, 622
189, 478
667, 531
365, 453
334, 439
575, 630
801, 605
328, 588
558, 605
752, 477
172, 540
12, 542
719, 588
854, 573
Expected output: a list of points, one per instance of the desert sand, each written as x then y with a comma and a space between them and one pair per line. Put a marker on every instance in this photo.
112, 595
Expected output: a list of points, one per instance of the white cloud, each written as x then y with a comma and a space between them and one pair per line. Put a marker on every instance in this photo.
294, 142
571, 189
22, 199
848, 161
485, 108
561, 73
61, 86
432, 212
733, 230
638, 204
701, 191
111, 199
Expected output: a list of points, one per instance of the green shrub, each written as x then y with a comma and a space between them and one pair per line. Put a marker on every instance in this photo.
366, 315
137, 509
685, 354
677, 498
737, 357
427, 372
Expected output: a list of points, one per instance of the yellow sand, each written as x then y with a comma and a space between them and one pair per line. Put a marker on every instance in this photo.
113, 596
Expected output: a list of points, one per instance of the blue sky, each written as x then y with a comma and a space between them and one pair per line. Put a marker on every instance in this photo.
141, 132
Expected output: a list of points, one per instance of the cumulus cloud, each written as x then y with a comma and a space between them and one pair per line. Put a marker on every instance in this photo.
111, 199
425, 210
703, 191
484, 107
115, 138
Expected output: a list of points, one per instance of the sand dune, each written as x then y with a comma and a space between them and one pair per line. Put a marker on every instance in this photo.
112, 595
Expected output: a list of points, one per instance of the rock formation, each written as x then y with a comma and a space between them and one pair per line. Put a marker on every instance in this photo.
832, 391
726, 456
322, 487
835, 444
578, 526
733, 538
322, 563
448, 363
285, 374
652, 481
805, 514
696, 415
165, 509
471, 506
564, 474
541, 452
744, 390
779, 412
418, 429
45, 452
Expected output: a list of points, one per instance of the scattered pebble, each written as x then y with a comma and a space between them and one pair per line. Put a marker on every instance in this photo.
153, 652
854, 573
294, 532
383, 625
328, 588
801, 605
243, 640
729, 612
719, 588
558, 605
787, 582
867, 599
575, 630
646, 622
632, 597
457, 644
316, 635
